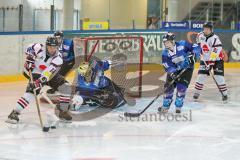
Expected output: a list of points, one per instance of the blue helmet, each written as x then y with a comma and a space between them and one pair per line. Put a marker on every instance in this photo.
58, 34
169, 37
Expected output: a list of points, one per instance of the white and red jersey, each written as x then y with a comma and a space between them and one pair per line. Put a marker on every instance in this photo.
45, 65
210, 44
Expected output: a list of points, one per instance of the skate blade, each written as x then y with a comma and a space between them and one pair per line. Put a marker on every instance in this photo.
178, 111
225, 102
65, 121
11, 121
163, 110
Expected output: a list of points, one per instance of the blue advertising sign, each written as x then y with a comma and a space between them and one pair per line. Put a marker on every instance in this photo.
197, 25
175, 25
238, 26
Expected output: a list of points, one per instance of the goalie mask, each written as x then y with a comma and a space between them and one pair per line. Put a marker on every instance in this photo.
85, 70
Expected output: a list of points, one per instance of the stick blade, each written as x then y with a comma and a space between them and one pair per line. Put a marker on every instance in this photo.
127, 114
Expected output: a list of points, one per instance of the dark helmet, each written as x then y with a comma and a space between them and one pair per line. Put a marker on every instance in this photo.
208, 25
169, 37
58, 34
51, 41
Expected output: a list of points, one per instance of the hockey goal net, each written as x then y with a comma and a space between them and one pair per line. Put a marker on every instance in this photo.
125, 53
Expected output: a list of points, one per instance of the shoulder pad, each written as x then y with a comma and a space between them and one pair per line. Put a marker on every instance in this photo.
34, 48
67, 41
182, 42
165, 52
57, 60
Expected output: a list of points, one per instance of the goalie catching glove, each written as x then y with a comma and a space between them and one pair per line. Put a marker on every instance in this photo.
77, 101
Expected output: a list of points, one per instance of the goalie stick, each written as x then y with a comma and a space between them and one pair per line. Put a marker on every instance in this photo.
128, 114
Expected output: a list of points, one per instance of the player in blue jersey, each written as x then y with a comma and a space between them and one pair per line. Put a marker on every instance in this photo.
95, 88
68, 56
177, 56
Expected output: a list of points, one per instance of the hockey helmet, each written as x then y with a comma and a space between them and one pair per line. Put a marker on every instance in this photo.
85, 70
168, 37
208, 25
58, 34
51, 41
83, 67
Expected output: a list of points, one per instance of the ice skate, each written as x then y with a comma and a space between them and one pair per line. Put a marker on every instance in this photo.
13, 117
196, 96
225, 99
163, 109
178, 110
65, 116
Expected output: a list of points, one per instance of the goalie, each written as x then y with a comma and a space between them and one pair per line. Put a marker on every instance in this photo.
95, 88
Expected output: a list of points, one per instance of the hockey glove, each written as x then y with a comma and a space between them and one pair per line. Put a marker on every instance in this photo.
209, 64
173, 75
29, 64
38, 84
191, 59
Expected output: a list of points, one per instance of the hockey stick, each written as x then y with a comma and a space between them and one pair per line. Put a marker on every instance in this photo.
214, 79
127, 114
44, 95
36, 99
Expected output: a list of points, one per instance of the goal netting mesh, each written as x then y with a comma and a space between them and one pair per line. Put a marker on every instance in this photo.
125, 53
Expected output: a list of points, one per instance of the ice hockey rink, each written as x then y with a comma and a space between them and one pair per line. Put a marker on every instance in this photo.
212, 132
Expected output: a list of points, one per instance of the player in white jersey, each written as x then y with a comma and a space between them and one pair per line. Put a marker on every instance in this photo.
44, 62
212, 58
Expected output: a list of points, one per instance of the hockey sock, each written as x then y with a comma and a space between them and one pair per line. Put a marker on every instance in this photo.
181, 92
24, 101
200, 82
221, 83
64, 101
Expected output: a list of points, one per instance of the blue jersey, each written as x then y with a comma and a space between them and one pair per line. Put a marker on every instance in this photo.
67, 50
178, 59
98, 79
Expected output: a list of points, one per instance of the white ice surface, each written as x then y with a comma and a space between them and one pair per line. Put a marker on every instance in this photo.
213, 133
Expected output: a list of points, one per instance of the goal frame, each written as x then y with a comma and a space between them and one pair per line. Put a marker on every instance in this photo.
88, 55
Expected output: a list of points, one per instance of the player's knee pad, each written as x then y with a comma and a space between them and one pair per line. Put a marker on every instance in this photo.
179, 102
167, 102
168, 95
169, 88
181, 90
220, 79
201, 78
65, 89
169, 92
